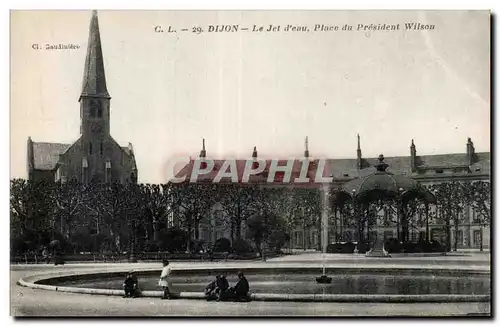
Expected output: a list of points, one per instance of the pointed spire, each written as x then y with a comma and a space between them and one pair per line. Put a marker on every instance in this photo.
359, 161
203, 152
413, 156
94, 80
254, 154
306, 150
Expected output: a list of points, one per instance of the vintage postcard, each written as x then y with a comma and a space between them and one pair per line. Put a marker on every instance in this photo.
250, 163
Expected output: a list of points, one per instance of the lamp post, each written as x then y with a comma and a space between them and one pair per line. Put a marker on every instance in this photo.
355, 209
132, 257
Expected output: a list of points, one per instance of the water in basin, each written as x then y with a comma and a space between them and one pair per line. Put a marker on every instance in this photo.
306, 283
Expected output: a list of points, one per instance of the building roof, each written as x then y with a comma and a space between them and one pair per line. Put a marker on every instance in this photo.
46, 155
240, 167
346, 169
94, 79
482, 164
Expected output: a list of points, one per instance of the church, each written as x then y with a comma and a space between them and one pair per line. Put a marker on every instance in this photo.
95, 156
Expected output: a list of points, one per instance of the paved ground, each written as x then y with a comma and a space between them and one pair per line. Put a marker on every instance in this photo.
31, 302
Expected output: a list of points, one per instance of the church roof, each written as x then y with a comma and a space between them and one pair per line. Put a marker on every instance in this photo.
46, 155
94, 79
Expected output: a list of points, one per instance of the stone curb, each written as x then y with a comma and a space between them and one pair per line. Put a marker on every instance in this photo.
281, 297
31, 282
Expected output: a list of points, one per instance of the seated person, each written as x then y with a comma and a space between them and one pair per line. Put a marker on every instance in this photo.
222, 287
240, 291
130, 286
210, 289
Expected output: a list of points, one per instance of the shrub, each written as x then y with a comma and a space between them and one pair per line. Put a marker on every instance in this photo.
394, 246
364, 247
222, 245
341, 248
173, 240
197, 246
240, 246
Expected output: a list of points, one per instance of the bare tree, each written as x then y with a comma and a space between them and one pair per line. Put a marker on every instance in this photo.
478, 195
194, 203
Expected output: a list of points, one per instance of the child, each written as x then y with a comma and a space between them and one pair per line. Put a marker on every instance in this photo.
210, 289
163, 282
130, 286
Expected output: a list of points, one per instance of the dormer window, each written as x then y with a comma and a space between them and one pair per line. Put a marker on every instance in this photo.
345, 174
439, 171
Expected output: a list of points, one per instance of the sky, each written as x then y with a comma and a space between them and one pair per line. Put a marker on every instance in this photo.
244, 89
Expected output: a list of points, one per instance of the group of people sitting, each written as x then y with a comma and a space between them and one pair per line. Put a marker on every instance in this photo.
220, 290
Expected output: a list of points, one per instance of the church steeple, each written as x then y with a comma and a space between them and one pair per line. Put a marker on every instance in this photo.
94, 80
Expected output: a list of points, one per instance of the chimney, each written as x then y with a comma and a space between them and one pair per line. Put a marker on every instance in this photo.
359, 162
306, 150
470, 152
413, 157
254, 154
203, 152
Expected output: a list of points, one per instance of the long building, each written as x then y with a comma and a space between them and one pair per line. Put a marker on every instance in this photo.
426, 169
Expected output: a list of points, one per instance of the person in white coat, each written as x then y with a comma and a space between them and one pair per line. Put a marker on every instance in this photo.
163, 282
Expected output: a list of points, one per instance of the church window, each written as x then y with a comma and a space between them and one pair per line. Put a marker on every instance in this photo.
93, 108
90, 148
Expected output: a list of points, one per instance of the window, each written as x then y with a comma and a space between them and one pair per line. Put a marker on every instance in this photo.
85, 170
90, 148
460, 237
101, 149
95, 106
477, 237
475, 218
108, 172
298, 239
314, 237
439, 171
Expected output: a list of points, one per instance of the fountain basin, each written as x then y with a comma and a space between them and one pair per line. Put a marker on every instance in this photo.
291, 284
